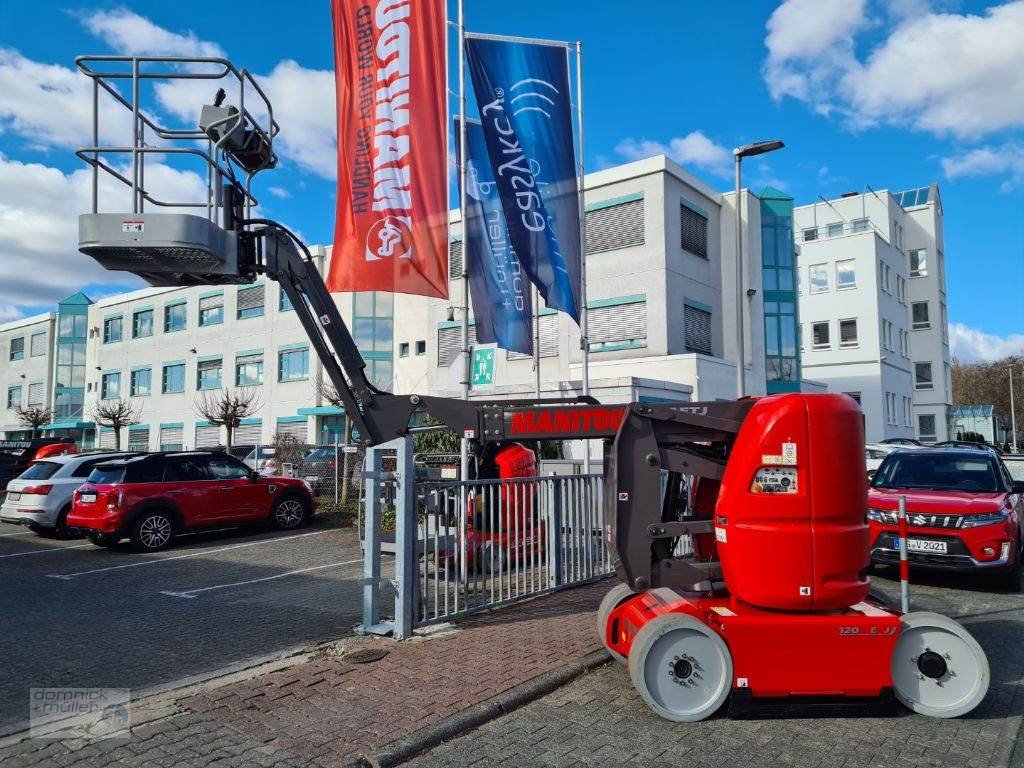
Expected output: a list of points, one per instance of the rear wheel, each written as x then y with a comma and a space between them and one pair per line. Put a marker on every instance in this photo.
288, 513
60, 528
152, 531
680, 667
615, 597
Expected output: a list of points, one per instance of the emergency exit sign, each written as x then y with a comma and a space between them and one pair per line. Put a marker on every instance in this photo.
483, 367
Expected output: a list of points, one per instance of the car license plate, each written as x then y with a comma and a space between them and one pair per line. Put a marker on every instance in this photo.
12, 496
925, 545
88, 498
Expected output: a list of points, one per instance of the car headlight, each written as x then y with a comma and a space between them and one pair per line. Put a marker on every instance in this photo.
308, 486
990, 518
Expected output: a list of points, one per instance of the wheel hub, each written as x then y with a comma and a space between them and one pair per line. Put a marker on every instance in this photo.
932, 664
682, 668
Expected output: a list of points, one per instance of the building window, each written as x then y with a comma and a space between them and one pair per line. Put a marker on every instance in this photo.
211, 309
901, 289
919, 315
249, 370
208, 374
890, 408
810, 234
848, 333
693, 227
904, 344
403, 349
421, 347
919, 262
609, 227
37, 347
780, 341
284, 303
175, 317
855, 396
138, 438
18, 348
293, 364
141, 382
616, 326
846, 274
819, 278
174, 378
923, 376
110, 386
374, 334
36, 391
112, 329
250, 302
142, 324
819, 335
697, 330
548, 328
926, 426
835, 230
886, 334
860, 225
449, 344
906, 411
943, 322
13, 397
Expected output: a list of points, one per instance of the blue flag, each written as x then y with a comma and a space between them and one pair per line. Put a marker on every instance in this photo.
500, 289
522, 91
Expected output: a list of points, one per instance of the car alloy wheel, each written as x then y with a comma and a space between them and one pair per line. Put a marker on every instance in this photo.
155, 532
289, 513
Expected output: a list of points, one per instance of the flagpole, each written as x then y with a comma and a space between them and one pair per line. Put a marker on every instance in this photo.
464, 447
584, 331
536, 342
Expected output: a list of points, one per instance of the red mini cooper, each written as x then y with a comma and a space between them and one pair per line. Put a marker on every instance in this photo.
963, 512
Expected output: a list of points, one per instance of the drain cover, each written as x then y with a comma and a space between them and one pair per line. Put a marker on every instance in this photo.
365, 656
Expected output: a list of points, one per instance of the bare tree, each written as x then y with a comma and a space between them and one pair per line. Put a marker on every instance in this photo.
116, 415
988, 383
329, 392
33, 416
227, 408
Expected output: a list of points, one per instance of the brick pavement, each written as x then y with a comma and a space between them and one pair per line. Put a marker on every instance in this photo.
327, 712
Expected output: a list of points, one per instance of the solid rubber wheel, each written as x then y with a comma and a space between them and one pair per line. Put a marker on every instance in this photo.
615, 597
938, 669
680, 667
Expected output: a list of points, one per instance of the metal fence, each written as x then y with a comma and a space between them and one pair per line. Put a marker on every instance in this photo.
465, 546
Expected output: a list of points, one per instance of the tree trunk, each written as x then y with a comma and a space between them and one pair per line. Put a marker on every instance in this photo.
230, 432
117, 438
345, 462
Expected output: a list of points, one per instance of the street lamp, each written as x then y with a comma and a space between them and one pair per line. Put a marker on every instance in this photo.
747, 150
1013, 411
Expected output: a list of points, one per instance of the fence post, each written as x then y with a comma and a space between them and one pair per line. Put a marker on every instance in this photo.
555, 534
337, 469
371, 545
406, 541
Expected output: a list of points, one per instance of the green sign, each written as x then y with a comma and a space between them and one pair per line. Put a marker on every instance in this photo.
483, 367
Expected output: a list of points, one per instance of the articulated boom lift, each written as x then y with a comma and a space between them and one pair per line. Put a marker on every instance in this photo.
773, 606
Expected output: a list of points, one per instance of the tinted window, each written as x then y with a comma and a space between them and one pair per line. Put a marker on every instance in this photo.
39, 470
145, 472
941, 472
83, 469
223, 468
184, 470
107, 474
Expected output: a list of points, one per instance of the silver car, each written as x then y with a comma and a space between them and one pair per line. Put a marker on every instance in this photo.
40, 497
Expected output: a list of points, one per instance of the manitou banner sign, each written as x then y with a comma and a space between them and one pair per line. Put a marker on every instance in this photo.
391, 224
500, 288
522, 90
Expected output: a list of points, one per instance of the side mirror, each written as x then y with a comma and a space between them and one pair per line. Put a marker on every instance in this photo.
1018, 486
254, 476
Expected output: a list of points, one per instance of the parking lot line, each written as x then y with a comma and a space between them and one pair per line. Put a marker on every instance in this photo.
19, 533
190, 593
43, 551
154, 561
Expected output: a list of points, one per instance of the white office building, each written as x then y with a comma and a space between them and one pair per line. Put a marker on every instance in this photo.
873, 307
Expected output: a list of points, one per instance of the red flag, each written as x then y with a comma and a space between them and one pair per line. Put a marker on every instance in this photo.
391, 225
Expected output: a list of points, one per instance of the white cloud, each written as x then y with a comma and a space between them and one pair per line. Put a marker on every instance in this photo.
279, 192
39, 209
693, 150
127, 32
1007, 159
946, 73
971, 345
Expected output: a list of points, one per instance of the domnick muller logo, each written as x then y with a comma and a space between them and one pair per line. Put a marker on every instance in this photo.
389, 238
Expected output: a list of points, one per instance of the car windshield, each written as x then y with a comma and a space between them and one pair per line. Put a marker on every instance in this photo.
321, 453
39, 470
940, 472
106, 474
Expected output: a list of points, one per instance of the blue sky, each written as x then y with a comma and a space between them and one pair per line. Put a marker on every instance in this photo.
894, 95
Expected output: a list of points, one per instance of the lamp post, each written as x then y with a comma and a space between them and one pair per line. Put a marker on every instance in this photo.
747, 150
1013, 413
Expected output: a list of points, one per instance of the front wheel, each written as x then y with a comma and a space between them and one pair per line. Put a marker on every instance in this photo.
288, 514
615, 597
152, 531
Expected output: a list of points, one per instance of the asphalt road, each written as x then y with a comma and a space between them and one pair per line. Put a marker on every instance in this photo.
75, 615
600, 720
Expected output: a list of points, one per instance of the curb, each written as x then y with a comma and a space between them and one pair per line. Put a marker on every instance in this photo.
400, 750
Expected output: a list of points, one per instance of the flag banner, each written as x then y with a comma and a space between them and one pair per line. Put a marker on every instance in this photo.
522, 91
391, 222
500, 289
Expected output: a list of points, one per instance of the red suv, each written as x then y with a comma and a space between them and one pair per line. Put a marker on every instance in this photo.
153, 497
963, 512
